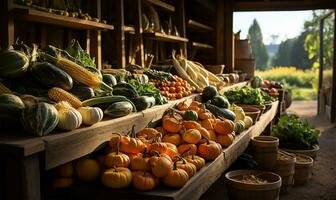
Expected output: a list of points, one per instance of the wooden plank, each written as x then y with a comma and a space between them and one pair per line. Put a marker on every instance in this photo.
164, 37
139, 50
228, 37
65, 147
282, 5
201, 45
220, 27
27, 14
199, 26
120, 31
333, 94
16, 144
95, 36
6, 25
129, 29
180, 24
162, 5
230, 87
23, 178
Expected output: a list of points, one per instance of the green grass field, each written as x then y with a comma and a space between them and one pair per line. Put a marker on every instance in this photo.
303, 94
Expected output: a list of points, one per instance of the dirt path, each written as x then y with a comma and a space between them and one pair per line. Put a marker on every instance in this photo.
323, 184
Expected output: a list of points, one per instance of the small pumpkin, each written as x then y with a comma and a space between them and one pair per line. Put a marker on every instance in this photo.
148, 133
205, 115
172, 151
208, 124
129, 144
213, 135
160, 165
191, 136
190, 115
187, 149
66, 170
194, 108
239, 126
198, 161
161, 130
195, 103
205, 134
69, 117
117, 159
118, 177
173, 138
225, 140
191, 125
140, 163
172, 122
182, 106
248, 122
91, 115
209, 150
143, 181
62, 182
160, 147
186, 166
224, 127
176, 178
87, 170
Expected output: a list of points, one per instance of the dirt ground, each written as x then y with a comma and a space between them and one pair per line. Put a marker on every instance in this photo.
322, 186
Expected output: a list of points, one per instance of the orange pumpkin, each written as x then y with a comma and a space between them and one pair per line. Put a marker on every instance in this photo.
176, 178
148, 133
191, 125
207, 124
118, 177
182, 106
131, 155
194, 108
186, 166
160, 147
143, 181
213, 135
209, 150
196, 103
171, 150
191, 136
173, 138
225, 140
198, 161
172, 122
161, 130
160, 165
205, 115
140, 162
127, 144
187, 149
117, 159
205, 134
224, 127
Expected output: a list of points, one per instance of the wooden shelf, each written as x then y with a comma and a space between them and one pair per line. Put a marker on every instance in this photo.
162, 5
201, 45
196, 186
199, 26
129, 29
164, 37
28, 14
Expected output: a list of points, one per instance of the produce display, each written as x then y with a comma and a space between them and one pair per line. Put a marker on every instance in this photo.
295, 133
248, 95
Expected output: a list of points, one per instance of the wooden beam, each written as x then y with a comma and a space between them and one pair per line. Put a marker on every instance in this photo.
6, 25
120, 31
228, 36
333, 97
220, 27
140, 59
282, 5
181, 24
95, 36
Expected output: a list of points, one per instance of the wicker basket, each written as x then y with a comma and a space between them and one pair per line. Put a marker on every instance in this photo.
215, 69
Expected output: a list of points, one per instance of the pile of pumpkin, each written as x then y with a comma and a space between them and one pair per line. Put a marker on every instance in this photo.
172, 153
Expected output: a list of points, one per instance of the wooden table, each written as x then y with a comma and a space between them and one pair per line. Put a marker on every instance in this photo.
195, 187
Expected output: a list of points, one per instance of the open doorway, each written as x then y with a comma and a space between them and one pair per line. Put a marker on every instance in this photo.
288, 46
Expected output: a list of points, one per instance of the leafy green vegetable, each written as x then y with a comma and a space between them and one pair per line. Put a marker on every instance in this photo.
248, 95
148, 89
159, 75
295, 133
76, 51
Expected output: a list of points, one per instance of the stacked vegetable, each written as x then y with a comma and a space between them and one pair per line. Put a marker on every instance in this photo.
248, 95
195, 74
189, 136
47, 88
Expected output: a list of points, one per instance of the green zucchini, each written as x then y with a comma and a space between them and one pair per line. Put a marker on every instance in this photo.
51, 76
125, 89
110, 80
143, 102
13, 63
82, 92
106, 100
221, 112
119, 109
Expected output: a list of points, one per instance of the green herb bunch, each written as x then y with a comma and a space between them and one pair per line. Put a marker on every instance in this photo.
148, 89
295, 133
248, 95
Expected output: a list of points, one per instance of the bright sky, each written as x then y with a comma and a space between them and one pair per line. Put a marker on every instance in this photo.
286, 24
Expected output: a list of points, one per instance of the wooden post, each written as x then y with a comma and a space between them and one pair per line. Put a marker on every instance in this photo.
138, 35
121, 56
181, 24
23, 178
94, 37
220, 27
6, 24
333, 97
320, 93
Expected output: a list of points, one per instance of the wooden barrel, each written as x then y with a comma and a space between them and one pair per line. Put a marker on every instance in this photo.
312, 152
265, 151
285, 167
245, 65
242, 49
303, 169
239, 190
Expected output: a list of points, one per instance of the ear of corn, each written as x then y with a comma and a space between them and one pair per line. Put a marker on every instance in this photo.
58, 94
4, 89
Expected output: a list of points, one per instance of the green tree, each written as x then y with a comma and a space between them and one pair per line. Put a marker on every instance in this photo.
312, 41
283, 56
258, 47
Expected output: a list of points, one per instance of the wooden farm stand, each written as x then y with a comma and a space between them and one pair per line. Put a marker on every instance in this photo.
26, 158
